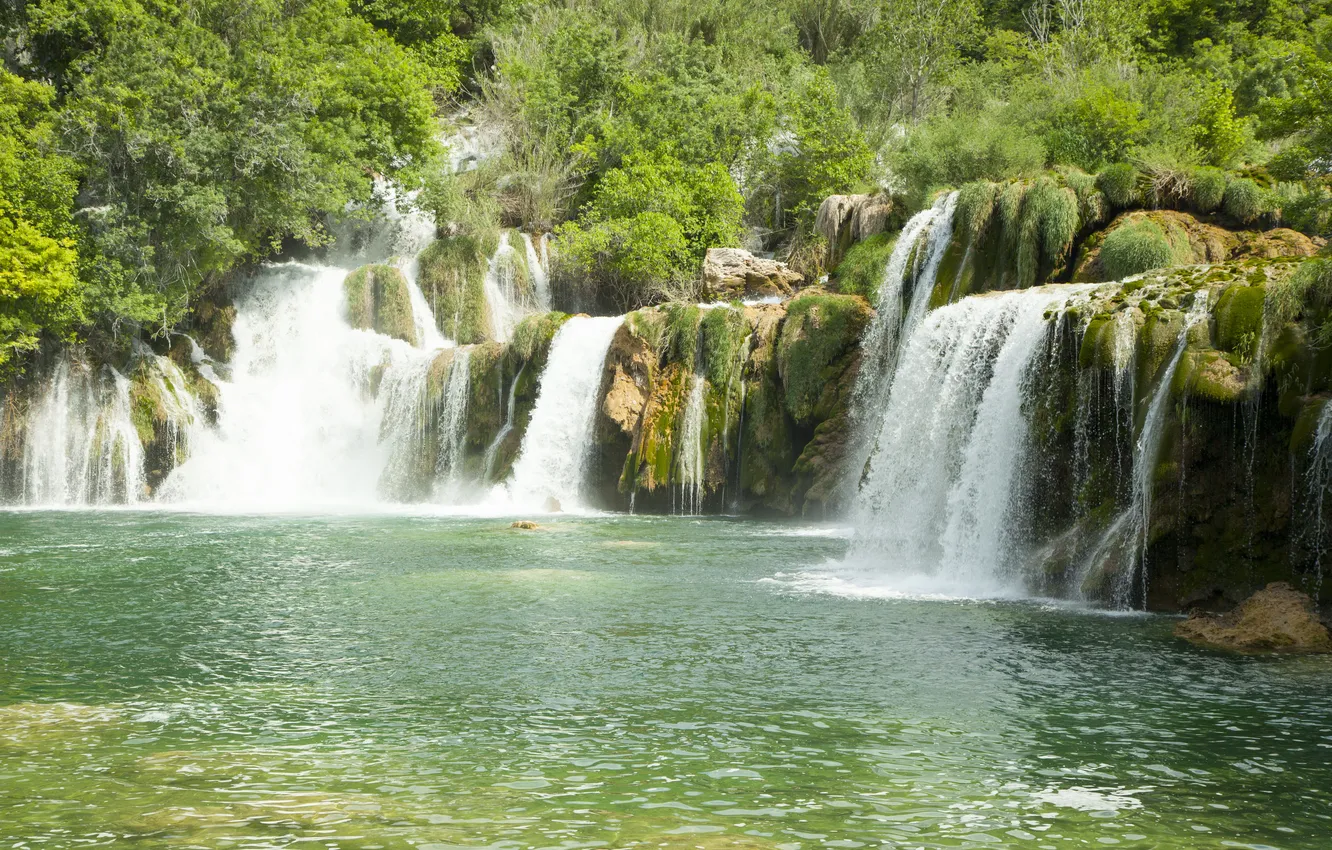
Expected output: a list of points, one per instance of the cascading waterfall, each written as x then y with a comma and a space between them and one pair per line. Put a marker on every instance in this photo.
536, 269
453, 427
1317, 482
80, 446
550, 471
939, 489
298, 423
505, 303
895, 320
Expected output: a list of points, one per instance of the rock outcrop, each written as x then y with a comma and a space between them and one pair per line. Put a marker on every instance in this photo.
1276, 618
843, 220
731, 274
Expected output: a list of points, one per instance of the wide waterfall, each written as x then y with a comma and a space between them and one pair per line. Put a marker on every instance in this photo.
936, 506
298, 425
551, 468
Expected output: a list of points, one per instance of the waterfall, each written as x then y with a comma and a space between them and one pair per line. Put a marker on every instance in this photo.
895, 320
693, 437
1317, 481
941, 486
536, 268
505, 302
406, 429
1146, 454
453, 427
79, 443
299, 422
551, 468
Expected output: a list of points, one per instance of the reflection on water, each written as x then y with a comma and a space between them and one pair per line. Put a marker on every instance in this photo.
178, 681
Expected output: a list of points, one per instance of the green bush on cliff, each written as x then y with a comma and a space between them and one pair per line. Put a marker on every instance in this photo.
378, 300
723, 331
975, 208
1134, 248
534, 333
1054, 211
1119, 183
861, 270
1244, 201
1207, 189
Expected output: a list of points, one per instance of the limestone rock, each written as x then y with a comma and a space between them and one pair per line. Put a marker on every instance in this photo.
730, 273
524, 525
1278, 617
1272, 244
844, 220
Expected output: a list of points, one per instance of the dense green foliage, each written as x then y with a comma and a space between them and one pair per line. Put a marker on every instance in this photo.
178, 138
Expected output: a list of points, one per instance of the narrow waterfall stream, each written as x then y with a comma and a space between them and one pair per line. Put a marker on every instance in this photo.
550, 472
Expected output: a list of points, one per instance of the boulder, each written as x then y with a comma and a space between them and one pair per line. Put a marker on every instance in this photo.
844, 220
378, 299
1278, 617
734, 273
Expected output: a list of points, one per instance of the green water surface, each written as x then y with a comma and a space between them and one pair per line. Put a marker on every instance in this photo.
170, 680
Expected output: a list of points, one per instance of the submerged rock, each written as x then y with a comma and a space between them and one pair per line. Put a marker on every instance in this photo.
524, 525
1278, 617
732, 273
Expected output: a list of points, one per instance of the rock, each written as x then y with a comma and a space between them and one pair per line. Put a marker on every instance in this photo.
732, 273
525, 525
552, 505
1278, 617
1273, 244
844, 220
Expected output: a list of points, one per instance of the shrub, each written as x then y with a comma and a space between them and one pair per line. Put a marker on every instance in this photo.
1244, 201
1207, 189
1119, 184
1136, 247
1054, 215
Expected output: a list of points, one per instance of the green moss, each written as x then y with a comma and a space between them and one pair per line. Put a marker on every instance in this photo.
819, 329
1120, 184
378, 299
1055, 213
861, 271
452, 279
1239, 318
649, 325
533, 335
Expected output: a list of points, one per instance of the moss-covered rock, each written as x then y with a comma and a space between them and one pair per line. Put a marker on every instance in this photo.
452, 278
819, 330
861, 270
378, 299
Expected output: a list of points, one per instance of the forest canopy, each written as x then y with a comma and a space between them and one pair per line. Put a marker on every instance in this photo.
150, 147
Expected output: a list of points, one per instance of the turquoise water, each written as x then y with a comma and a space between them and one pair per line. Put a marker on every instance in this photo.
169, 680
